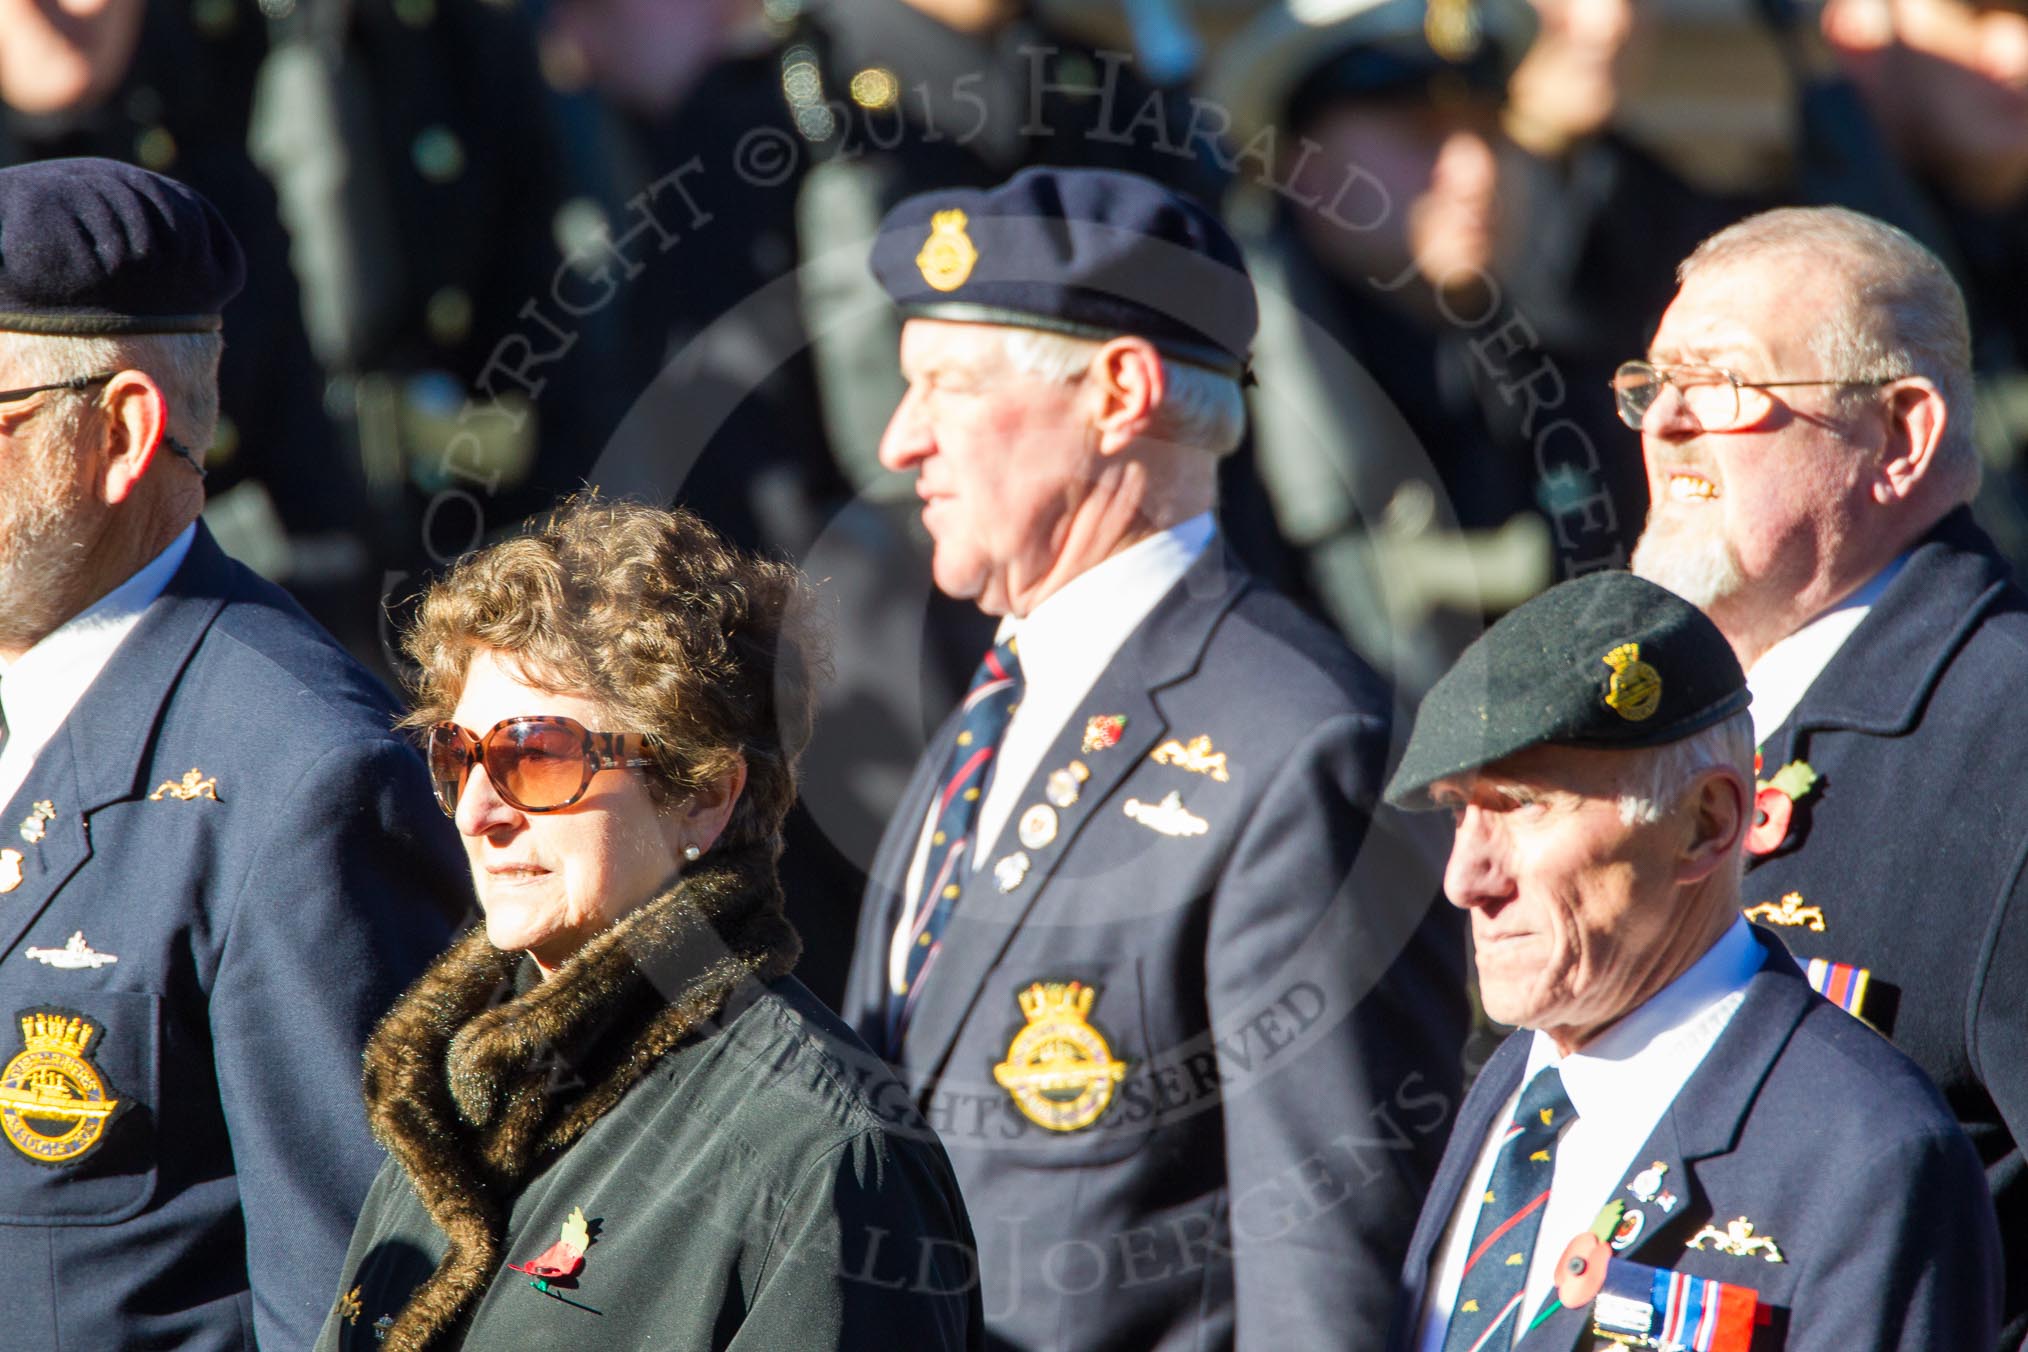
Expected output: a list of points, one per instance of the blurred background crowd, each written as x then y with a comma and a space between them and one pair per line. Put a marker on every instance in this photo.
502, 248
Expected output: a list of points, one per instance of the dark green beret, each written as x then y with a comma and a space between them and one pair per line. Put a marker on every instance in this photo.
1605, 660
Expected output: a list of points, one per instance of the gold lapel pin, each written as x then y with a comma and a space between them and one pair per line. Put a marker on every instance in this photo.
1196, 756
34, 826
194, 784
1737, 1239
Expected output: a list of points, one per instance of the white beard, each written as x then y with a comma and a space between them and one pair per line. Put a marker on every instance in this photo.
1701, 568
41, 553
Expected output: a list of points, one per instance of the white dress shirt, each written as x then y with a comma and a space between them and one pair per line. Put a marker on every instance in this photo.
1064, 645
45, 683
1621, 1083
1784, 673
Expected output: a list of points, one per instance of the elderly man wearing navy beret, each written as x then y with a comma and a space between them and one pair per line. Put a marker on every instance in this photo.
1685, 1147
1160, 970
218, 867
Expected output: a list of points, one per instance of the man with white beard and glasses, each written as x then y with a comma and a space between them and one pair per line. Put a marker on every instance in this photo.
1806, 422
218, 864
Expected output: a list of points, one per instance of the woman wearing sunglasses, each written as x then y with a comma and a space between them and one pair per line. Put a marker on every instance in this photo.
613, 1119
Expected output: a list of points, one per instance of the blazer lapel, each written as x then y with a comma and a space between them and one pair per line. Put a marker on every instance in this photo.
1704, 1121
99, 755
41, 866
1496, 1083
1162, 650
1879, 680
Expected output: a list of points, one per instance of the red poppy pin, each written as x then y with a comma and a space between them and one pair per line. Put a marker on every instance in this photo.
1774, 803
565, 1258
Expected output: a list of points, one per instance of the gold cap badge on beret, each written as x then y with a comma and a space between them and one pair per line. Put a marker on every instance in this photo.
1635, 690
948, 255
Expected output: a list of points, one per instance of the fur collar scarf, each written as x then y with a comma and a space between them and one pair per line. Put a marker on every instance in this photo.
461, 1075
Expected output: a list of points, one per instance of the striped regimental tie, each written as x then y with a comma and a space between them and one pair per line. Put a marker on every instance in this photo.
954, 813
1489, 1293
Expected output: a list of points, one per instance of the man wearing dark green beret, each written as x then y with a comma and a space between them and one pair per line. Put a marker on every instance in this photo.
1728, 1158
218, 866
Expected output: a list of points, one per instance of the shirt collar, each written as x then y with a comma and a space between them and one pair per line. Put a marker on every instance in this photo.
1784, 673
42, 686
1073, 634
1645, 1045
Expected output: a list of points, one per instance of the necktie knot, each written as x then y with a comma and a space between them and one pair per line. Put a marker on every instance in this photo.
1002, 663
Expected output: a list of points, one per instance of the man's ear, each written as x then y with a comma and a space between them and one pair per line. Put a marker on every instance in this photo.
1132, 385
1916, 418
137, 418
1721, 811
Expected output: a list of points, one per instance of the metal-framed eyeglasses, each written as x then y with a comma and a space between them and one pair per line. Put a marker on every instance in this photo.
1720, 400
537, 762
85, 383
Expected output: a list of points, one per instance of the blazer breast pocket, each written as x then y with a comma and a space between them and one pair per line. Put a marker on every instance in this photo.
79, 1080
1068, 1077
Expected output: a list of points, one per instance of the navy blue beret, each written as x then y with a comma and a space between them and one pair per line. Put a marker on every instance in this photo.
91, 246
1093, 253
1605, 660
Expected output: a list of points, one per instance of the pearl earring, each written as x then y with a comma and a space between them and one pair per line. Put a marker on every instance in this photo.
692, 853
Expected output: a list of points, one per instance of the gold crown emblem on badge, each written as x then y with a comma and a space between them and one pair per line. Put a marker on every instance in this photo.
1057, 999
1635, 690
947, 256
54, 1033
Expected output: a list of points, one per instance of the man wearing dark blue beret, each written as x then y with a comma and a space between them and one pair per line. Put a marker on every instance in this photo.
1686, 1146
1158, 966
219, 865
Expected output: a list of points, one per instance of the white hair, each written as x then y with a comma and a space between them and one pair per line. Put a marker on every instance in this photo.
184, 365
1200, 408
1903, 313
1656, 779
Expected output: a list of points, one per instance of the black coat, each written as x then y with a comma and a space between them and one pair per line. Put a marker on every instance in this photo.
748, 1175
1913, 845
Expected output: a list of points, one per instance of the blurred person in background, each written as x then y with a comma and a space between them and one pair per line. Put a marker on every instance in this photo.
1947, 83
1401, 396
396, 169
169, 87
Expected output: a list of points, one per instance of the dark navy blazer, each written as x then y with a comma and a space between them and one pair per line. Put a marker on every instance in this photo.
1830, 1142
259, 935
1914, 845
1288, 1002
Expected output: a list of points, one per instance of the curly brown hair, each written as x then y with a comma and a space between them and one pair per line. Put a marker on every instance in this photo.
649, 612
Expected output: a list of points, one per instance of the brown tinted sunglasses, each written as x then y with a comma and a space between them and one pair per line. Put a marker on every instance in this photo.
538, 762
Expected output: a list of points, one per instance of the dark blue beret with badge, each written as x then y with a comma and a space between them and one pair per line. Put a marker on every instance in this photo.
1091, 253
1607, 660
93, 246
